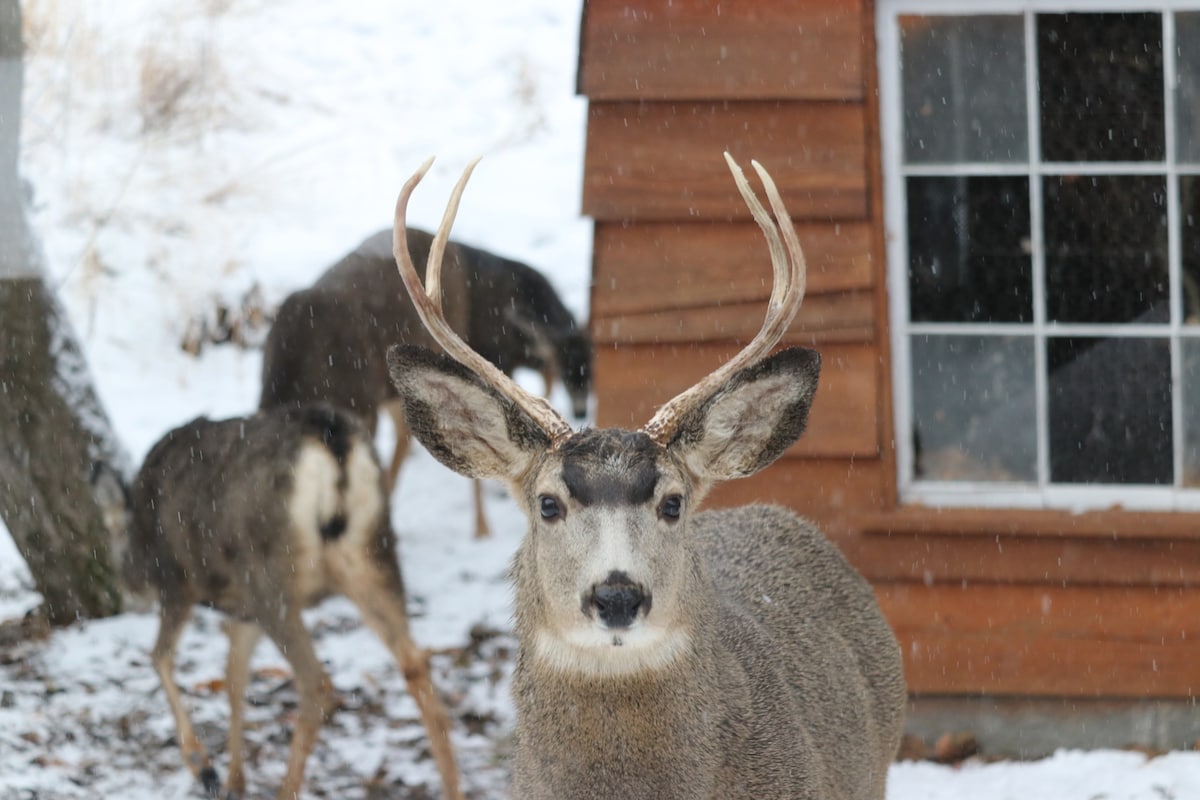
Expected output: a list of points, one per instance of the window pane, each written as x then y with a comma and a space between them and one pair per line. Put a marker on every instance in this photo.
1101, 87
968, 240
1189, 239
1106, 248
973, 408
1187, 92
1110, 410
964, 88
1190, 386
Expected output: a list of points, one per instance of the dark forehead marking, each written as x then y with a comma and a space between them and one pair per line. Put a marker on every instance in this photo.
610, 467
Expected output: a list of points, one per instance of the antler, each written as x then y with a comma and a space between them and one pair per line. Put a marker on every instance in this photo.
428, 301
787, 293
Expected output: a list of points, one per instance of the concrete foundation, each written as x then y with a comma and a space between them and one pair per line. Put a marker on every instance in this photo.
1015, 727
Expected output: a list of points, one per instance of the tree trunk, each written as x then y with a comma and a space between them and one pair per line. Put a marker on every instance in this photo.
62, 473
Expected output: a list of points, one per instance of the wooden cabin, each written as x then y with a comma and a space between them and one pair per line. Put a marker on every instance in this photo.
1003, 262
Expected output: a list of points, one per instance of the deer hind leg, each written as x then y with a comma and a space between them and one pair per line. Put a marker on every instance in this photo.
403, 439
293, 640
172, 618
243, 636
377, 589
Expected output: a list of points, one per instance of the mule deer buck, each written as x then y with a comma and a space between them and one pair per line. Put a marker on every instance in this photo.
329, 342
665, 652
261, 517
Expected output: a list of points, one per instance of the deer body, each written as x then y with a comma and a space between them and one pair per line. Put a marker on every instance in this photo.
787, 655
329, 342
261, 517
517, 321
663, 651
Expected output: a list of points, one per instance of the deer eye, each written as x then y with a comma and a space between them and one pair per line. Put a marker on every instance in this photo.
548, 507
671, 507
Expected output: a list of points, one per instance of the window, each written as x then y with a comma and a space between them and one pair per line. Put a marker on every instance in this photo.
1042, 184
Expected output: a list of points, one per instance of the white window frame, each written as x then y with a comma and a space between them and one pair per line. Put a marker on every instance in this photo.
1042, 493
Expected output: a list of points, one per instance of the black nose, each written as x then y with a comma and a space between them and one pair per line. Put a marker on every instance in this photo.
617, 603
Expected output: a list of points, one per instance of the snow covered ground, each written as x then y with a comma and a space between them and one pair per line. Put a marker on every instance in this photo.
183, 153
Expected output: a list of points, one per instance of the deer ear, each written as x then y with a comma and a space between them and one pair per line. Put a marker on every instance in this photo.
751, 420
465, 424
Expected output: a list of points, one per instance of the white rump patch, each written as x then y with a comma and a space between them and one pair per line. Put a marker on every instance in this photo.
364, 496
316, 500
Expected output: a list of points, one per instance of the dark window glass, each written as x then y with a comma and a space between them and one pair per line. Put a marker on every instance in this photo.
1189, 385
1189, 219
973, 408
964, 88
1187, 97
1100, 87
1110, 410
1106, 248
968, 240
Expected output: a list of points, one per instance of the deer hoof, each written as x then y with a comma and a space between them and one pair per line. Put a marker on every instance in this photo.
210, 782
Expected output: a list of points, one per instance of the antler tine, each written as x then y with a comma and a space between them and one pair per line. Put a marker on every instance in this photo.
779, 261
428, 301
798, 280
787, 293
437, 249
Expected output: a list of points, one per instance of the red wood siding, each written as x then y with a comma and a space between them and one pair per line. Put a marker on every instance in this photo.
983, 601
702, 50
662, 161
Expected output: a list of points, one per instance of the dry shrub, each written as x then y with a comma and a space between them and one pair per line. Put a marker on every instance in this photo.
527, 95
178, 77
177, 86
216, 8
243, 324
59, 31
181, 84
40, 20
164, 82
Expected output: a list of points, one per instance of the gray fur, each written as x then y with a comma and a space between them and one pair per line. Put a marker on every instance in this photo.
261, 517
329, 342
763, 669
410, 368
210, 499
794, 692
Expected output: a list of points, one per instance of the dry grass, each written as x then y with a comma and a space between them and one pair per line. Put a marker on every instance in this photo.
150, 95
182, 87
41, 22
170, 83
168, 88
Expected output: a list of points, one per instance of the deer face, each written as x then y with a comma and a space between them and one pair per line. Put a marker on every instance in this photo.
605, 573
606, 560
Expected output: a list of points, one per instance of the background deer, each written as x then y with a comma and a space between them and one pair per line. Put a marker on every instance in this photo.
261, 517
665, 652
329, 342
